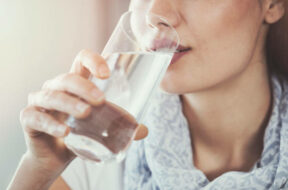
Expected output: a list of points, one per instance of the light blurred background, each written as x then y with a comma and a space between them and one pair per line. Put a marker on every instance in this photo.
39, 40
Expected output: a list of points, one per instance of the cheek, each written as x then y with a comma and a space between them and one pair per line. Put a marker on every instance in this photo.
223, 35
211, 19
228, 36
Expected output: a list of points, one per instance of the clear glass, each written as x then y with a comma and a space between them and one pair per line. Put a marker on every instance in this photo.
138, 54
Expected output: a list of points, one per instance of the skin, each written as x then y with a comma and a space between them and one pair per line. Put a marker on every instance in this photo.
227, 73
47, 156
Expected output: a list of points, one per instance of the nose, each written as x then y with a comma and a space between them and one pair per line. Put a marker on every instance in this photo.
166, 9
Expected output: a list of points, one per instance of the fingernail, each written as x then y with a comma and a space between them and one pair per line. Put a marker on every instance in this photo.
104, 71
82, 107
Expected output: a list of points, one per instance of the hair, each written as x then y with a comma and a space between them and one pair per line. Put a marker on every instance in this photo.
277, 45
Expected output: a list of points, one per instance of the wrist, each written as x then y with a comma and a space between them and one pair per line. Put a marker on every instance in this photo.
39, 166
31, 174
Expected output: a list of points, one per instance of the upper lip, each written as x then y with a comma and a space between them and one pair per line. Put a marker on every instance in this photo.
163, 43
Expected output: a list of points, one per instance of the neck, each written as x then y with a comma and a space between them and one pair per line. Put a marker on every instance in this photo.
230, 119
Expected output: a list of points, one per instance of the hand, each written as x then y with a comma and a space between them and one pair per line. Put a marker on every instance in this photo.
68, 94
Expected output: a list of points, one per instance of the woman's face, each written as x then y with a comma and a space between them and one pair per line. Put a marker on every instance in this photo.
222, 35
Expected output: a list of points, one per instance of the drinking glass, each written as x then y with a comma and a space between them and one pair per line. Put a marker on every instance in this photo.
138, 53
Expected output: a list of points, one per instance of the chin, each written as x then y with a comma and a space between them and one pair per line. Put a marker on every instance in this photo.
177, 86
171, 87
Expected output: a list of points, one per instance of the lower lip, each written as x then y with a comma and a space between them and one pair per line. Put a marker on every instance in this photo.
177, 56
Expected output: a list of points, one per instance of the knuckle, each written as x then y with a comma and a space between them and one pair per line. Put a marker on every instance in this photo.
82, 53
54, 100
62, 77
66, 77
37, 118
46, 84
85, 52
25, 113
76, 82
22, 115
47, 95
94, 58
63, 81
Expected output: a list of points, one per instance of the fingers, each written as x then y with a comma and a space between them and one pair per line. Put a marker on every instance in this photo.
35, 121
87, 62
141, 133
77, 85
60, 101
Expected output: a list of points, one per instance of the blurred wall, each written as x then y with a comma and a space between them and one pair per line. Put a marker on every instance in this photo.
38, 40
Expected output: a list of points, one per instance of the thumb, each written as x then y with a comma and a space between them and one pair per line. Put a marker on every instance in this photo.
141, 132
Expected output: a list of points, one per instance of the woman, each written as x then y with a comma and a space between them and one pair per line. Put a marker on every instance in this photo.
225, 129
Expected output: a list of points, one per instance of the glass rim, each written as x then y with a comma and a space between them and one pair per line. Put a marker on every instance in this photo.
130, 12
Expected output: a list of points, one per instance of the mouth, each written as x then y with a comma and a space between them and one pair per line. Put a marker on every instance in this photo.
181, 51
162, 45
